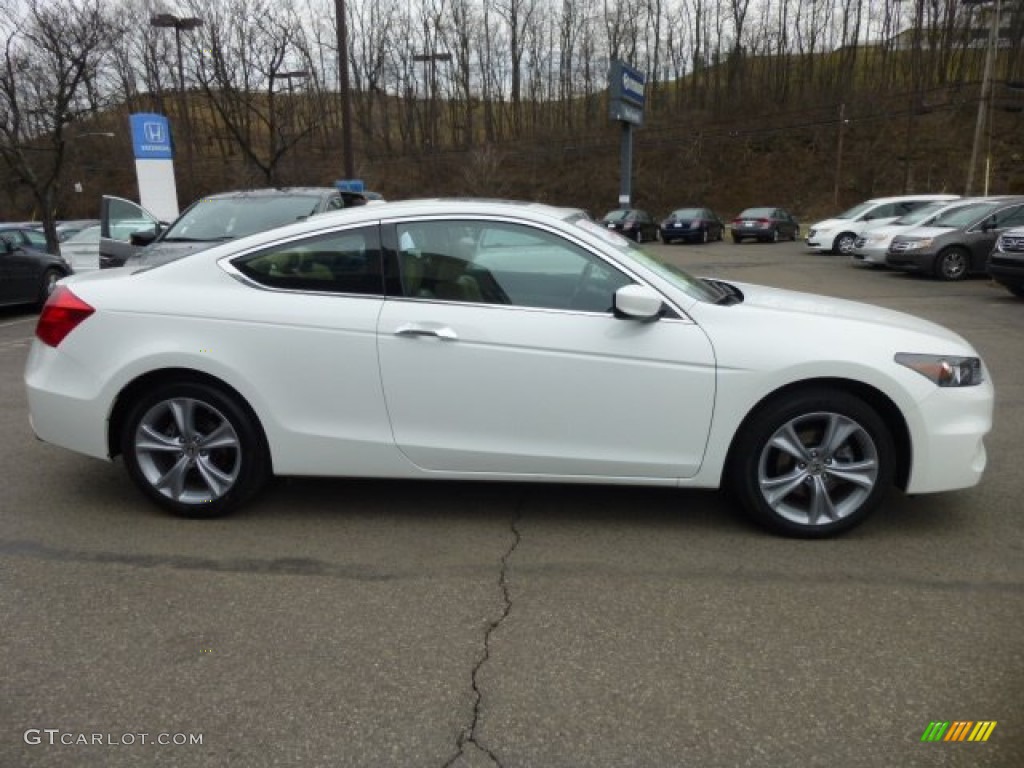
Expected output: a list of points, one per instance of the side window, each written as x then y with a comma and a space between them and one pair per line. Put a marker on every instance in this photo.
35, 239
1010, 217
501, 263
342, 262
885, 211
126, 217
334, 204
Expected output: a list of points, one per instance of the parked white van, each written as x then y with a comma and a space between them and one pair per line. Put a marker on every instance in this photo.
840, 233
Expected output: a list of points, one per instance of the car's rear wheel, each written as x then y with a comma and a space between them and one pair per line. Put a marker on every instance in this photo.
1016, 290
194, 449
812, 464
705, 236
844, 244
737, 238
952, 263
47, 284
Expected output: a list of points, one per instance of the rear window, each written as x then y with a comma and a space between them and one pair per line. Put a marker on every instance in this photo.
342, 262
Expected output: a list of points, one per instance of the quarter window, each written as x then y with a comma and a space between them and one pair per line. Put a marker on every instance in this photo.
342, 262
502, 263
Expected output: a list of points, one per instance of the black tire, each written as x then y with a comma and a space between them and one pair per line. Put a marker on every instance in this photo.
50, 278
639, 236
1016, 290
805, 489
844, 243
952, 263
775, 236
238, 462
705, 236
737, 239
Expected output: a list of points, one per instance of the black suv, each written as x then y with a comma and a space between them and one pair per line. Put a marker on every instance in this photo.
1006, 262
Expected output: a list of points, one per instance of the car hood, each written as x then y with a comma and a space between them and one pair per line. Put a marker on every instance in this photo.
833, 223
795, 303
161, 253
926, 231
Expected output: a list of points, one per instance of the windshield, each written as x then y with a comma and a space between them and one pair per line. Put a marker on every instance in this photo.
920, 214
690, 285
616, 215
687, 213
757, 213
226, 218
856, 211
963, 216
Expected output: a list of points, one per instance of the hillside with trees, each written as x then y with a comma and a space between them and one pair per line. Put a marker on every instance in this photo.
812, 104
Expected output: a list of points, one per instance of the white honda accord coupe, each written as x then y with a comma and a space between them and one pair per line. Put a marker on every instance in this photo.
482, 340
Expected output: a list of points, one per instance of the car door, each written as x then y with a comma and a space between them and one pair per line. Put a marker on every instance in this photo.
981, 238
502, 357
21, 268
119, 219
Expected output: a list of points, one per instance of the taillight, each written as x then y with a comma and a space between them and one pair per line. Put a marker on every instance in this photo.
61, 314
765, 222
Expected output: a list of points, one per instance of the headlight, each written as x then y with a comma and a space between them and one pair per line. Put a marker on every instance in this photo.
944, 371
876, 239
916, 245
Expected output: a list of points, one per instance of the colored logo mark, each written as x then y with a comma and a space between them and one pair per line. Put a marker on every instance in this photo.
959, 730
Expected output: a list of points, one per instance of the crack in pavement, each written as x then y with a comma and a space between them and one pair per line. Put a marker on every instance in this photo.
468, 737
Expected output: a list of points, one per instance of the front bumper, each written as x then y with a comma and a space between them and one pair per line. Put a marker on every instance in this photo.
1006, 270
910, 261
869, 255
948, 438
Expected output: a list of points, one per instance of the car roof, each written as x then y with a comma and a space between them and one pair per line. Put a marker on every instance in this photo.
272, 192
900, 198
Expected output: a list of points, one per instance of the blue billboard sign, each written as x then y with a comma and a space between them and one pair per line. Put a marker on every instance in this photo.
151, 137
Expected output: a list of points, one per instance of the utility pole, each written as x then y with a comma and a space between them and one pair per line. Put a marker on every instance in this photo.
346, 98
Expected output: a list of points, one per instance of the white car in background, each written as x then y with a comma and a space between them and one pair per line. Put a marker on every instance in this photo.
82, 249
840, 233
873, 244
478, 340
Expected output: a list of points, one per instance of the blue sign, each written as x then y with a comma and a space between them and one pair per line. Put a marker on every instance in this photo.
626, 84
151, 137
350, 185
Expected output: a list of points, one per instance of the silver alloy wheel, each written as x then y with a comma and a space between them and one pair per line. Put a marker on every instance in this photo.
845, 244
187, 450
818, 468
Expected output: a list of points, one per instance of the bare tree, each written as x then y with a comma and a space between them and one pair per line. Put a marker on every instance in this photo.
49, 82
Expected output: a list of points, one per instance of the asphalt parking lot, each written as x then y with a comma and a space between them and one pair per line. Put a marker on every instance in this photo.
382, 623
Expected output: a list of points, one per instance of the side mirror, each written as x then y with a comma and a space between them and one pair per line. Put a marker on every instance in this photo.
143, 237
637, 302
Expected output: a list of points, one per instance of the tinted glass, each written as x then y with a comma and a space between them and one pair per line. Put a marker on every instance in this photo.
757, 213
343, 262
962, 217
502, 263
689, 213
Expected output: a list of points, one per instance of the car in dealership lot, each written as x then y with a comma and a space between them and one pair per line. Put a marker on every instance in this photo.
82, 249
839, 233
461, 339
28, 273
691, 225
634, 223
1006, 262
131, 234
957, 243
69, 227
766, 224
24, 235
872, 245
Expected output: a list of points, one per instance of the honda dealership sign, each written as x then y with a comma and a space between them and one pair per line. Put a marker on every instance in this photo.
154, 164
626, 94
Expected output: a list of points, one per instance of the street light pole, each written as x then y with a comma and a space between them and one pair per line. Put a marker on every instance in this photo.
986, 95
181, 24
431, 59
346, 99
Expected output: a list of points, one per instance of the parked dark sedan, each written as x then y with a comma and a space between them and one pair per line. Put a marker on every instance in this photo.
692, 225
1006, 262
633, 223
764, 224
27, 273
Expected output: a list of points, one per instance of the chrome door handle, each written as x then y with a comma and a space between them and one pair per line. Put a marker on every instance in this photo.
412, 329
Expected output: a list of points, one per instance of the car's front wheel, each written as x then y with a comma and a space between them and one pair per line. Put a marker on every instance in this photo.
812, 464
952, 263
194, 449
844, 244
